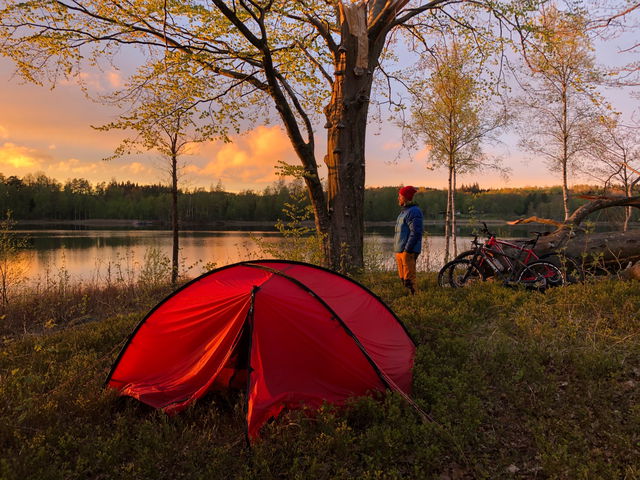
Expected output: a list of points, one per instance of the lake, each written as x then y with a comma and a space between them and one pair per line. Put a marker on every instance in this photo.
98, 255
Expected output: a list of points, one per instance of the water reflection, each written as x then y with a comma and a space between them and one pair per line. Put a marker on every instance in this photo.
95, 255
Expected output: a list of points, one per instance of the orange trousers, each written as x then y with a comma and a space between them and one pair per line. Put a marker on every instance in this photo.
407, 267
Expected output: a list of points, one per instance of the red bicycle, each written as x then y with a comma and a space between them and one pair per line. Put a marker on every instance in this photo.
513, 263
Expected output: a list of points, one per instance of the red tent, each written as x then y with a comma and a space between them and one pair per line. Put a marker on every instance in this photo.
294, 334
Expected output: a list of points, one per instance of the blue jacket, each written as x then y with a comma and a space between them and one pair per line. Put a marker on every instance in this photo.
408, 236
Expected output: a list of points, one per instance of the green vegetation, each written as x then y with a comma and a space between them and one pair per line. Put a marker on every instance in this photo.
54, 300
37, 197
522, 385
12, 272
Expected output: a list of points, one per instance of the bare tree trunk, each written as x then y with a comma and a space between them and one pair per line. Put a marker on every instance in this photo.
453, 214
565, 151
447, 221
347, 115
4, 288
346, 123
174, 219
627, 218
565, 192
627, 210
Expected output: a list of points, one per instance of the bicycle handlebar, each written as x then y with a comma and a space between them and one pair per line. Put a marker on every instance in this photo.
486, 231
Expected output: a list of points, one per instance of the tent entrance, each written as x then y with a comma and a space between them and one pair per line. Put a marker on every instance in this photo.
234, 373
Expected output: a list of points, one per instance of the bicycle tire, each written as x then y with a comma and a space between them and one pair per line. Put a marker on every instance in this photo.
443, 275
458, 273
540, 275
465, 254
571, 269
486, 270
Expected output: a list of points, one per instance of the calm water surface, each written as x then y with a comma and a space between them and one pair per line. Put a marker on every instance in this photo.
97, 255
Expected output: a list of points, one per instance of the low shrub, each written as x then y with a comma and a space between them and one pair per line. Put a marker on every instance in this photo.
520, 385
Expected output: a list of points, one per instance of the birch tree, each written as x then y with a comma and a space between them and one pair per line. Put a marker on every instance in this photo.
451, 115
165, 118
560, 107
620, 20
614, 160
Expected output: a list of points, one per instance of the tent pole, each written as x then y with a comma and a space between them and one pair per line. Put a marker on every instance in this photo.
249, 323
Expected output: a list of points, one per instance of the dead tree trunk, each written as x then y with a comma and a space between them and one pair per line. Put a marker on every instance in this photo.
611, 250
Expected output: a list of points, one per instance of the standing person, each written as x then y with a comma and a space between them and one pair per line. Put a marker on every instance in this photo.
408, 237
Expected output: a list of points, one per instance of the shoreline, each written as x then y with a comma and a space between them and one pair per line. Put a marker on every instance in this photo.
155, 224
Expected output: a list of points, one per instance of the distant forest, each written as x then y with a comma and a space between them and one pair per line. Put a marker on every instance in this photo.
37, 197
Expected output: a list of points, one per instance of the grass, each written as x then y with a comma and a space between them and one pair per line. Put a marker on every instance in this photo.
521, 384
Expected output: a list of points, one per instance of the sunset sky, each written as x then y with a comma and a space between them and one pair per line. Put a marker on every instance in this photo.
49, 131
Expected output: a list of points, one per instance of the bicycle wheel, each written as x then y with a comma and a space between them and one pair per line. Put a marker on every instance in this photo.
481, 264
466, 254
458, 273
540, 275
571, 269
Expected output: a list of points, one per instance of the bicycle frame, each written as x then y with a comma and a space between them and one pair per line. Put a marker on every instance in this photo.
493, 247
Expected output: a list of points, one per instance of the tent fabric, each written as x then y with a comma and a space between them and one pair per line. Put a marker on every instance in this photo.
294, 334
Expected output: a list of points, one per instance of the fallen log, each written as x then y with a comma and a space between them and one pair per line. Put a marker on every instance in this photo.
609, 251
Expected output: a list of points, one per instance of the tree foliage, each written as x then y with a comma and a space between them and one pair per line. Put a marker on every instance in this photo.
165, 118
451, 114
303, 57
37, 197
560, 107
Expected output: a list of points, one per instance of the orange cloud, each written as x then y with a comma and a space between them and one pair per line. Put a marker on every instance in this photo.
137, 168
114, 79
4, 133
96, 80
19, 157
74, 166
423, 153
250, 159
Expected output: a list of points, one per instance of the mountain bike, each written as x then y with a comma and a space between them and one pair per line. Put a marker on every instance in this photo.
489, 259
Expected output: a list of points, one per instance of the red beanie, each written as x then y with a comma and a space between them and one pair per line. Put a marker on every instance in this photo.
408, 192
